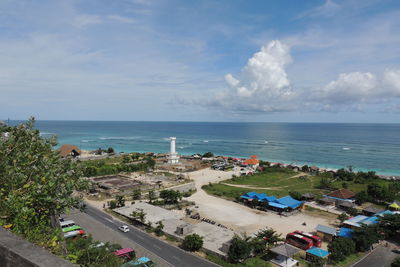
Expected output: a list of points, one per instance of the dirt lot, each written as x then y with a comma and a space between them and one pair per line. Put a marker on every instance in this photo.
241, 218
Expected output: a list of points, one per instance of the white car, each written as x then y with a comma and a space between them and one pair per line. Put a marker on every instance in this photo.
124, 228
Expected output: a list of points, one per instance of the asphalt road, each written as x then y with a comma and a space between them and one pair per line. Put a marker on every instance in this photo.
171, 254
380, 257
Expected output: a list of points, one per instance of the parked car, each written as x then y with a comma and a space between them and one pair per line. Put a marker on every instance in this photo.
124, 228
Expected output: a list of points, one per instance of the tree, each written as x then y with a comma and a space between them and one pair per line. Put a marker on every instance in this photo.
36, 185
136, 194
113, 204
362, 197
110, 150
120, 200
295, 195
152, 196
239, 249
342, 217
365, 236
159, 228
389, 224
192, 242
170, 196
126, 159
269, 236
139, 215
340, 248
396, 262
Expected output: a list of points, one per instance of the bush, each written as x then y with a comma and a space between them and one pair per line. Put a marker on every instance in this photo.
295, 195
113, 204
239, 250
340, 248
192, 242
396, 262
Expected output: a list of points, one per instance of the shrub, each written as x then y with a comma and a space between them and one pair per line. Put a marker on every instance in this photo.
192, 242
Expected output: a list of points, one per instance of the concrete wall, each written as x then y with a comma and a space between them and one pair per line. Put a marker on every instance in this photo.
16, 252
183, 187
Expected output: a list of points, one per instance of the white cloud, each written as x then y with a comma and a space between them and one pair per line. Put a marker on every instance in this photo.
328, 9
86, 20
391, 81
264, 83
121, 19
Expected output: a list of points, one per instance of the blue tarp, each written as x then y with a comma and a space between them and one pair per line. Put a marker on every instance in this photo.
318, 252
370, 220
245, 197
271, 198
261, 196
345, 232
277, 205
384, 213
289, 201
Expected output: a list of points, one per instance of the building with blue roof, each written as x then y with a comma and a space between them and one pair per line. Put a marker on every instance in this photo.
385, 212
289, 201
315, 252
345, 232
277, 206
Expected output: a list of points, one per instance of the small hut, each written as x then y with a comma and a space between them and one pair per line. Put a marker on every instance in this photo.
284, 253
371, 210
307, 196
327, 201
326, 233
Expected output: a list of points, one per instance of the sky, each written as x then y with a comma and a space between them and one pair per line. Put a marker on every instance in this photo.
178, 60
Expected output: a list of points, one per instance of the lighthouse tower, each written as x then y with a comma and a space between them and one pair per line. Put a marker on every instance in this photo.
173, 156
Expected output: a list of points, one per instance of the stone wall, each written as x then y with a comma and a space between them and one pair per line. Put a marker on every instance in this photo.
17, 252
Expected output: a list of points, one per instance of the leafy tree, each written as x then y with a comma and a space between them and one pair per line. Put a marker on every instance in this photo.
110, 150
86, 252
342, 217
136, 194
365, 236
345, 185
36, 185
152, 196
269, 236
389, 224
120, 200
139, 215
295, 195
170, 196
239, 249
208, 155
362, 197
326, 183
159, 228
113, 204
396, 262
340, 248
192, 242
352, 211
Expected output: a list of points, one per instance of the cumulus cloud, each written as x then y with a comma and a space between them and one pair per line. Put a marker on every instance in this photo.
263, 86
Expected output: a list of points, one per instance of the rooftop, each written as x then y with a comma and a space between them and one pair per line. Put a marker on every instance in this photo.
342, 193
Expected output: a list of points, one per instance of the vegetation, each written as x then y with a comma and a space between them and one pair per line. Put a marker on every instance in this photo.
192, 242
340, 248
208, 155
170, 196
139, 215
389, 225
36, 185
239, 249
120, 200
342, 217
152, 196
365, 236
396, 262
86, 252
136, 194
159, 228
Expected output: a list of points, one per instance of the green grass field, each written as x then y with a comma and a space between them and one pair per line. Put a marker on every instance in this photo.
278, 182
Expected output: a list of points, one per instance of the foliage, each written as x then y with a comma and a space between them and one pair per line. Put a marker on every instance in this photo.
170, 196
269, 236
208, 155
136, 194
361, 197
239, 249
120, 200
340, 248
113, 204
159, 228
36, 185
342, 217
110, 150
139, 215
326, 183
396, 262
86, 252
389, 224
379, 192
352, 211
192, 242
295, 195
152, 196
365, 236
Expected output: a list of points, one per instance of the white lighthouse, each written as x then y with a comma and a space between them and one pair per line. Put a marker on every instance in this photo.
173, 156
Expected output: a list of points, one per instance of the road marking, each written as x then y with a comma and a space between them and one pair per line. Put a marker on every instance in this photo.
109, 220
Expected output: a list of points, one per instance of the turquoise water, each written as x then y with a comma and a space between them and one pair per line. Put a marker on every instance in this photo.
363, 146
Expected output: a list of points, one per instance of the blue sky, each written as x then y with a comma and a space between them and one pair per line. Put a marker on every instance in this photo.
301, 61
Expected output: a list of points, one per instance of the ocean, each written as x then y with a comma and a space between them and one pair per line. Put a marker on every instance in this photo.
330, 145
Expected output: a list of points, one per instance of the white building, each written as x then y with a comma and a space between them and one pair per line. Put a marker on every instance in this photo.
173, 156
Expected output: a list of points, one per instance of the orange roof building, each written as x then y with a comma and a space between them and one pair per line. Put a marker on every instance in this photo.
252, 161
69, 150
